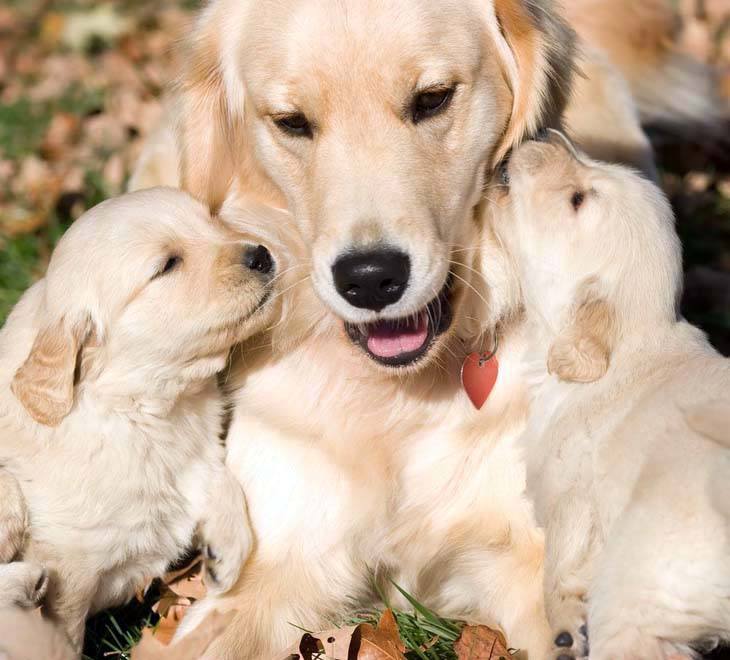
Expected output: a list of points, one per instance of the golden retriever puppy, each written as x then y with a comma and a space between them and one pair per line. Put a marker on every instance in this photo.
628, 439
110, 413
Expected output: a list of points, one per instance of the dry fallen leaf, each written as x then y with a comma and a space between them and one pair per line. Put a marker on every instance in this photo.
335, 644
381, 643
481, 643
191, 647
188, 581
62, 131
363, 642
178, 591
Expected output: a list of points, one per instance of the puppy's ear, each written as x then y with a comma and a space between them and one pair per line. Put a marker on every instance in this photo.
537, 49
582, 351
208, 126
45, 382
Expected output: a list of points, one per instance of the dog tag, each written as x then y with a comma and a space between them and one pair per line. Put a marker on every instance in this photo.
478, 377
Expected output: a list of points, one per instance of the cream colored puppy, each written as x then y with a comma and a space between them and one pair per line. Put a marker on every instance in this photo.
110, 414
628, 442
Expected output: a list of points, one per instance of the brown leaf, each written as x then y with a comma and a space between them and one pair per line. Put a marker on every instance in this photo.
62, 131
16, 220
335, 643
51, 29
191, 647
481, 643
381, 643
179, 589
188, 582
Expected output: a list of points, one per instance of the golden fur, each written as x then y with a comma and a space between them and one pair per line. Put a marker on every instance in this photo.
351, 468
109, 409
628, 447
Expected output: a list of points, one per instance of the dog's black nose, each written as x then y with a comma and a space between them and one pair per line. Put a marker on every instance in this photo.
372, 280
258, 258
542, 135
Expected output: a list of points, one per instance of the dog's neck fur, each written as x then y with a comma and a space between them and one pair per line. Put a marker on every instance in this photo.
137, 390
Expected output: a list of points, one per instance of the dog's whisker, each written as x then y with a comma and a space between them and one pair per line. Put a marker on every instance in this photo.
278, 276
472, 287
473, 270
279, 294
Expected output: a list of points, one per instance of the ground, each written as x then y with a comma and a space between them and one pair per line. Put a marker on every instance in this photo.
81, 84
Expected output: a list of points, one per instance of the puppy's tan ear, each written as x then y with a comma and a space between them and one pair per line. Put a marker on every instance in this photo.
582, 352
45, 382
208, 127
537, 49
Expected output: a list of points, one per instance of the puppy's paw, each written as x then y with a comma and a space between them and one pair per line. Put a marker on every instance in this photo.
36, 585
13, 527
570, 632
23, 584
571, 645
13, 518
226, 547
222, 567
226, 536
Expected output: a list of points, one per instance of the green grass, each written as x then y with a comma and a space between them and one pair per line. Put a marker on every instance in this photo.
113, 634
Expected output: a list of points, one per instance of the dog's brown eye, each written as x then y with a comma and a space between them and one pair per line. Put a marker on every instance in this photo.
430, 103
577, 199
296, 124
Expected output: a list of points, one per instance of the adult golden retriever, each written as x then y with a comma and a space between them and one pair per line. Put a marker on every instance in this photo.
378, 124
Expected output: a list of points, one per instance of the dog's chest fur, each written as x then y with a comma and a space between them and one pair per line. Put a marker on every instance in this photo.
420, 483
122, 497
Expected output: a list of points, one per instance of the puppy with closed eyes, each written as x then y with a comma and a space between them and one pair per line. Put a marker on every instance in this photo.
110, 413
628, 441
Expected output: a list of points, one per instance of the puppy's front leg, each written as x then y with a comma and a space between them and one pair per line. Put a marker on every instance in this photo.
572, 541
225, 532
13, 518
68, 600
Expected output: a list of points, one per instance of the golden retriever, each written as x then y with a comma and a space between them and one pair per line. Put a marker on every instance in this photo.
110, 412
628, 438
378, 123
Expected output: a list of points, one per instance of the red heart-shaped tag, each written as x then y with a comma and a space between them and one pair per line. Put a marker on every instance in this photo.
478, 377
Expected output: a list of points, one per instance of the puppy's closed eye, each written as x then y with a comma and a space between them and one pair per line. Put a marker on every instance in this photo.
173, 261
576, 201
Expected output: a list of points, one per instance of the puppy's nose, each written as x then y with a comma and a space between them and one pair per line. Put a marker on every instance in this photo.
372, 280
258, 258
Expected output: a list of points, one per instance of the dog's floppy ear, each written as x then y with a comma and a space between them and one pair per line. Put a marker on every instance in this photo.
582, 351
208, 124
44, 384
537, 49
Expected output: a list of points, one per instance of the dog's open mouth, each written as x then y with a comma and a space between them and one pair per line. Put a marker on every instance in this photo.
402, 342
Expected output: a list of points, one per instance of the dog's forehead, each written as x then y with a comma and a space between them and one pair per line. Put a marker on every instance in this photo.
359, 43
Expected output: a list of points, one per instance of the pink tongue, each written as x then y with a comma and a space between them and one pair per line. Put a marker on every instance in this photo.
388, 340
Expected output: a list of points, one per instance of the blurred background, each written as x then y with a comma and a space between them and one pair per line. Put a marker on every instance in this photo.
81, 84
